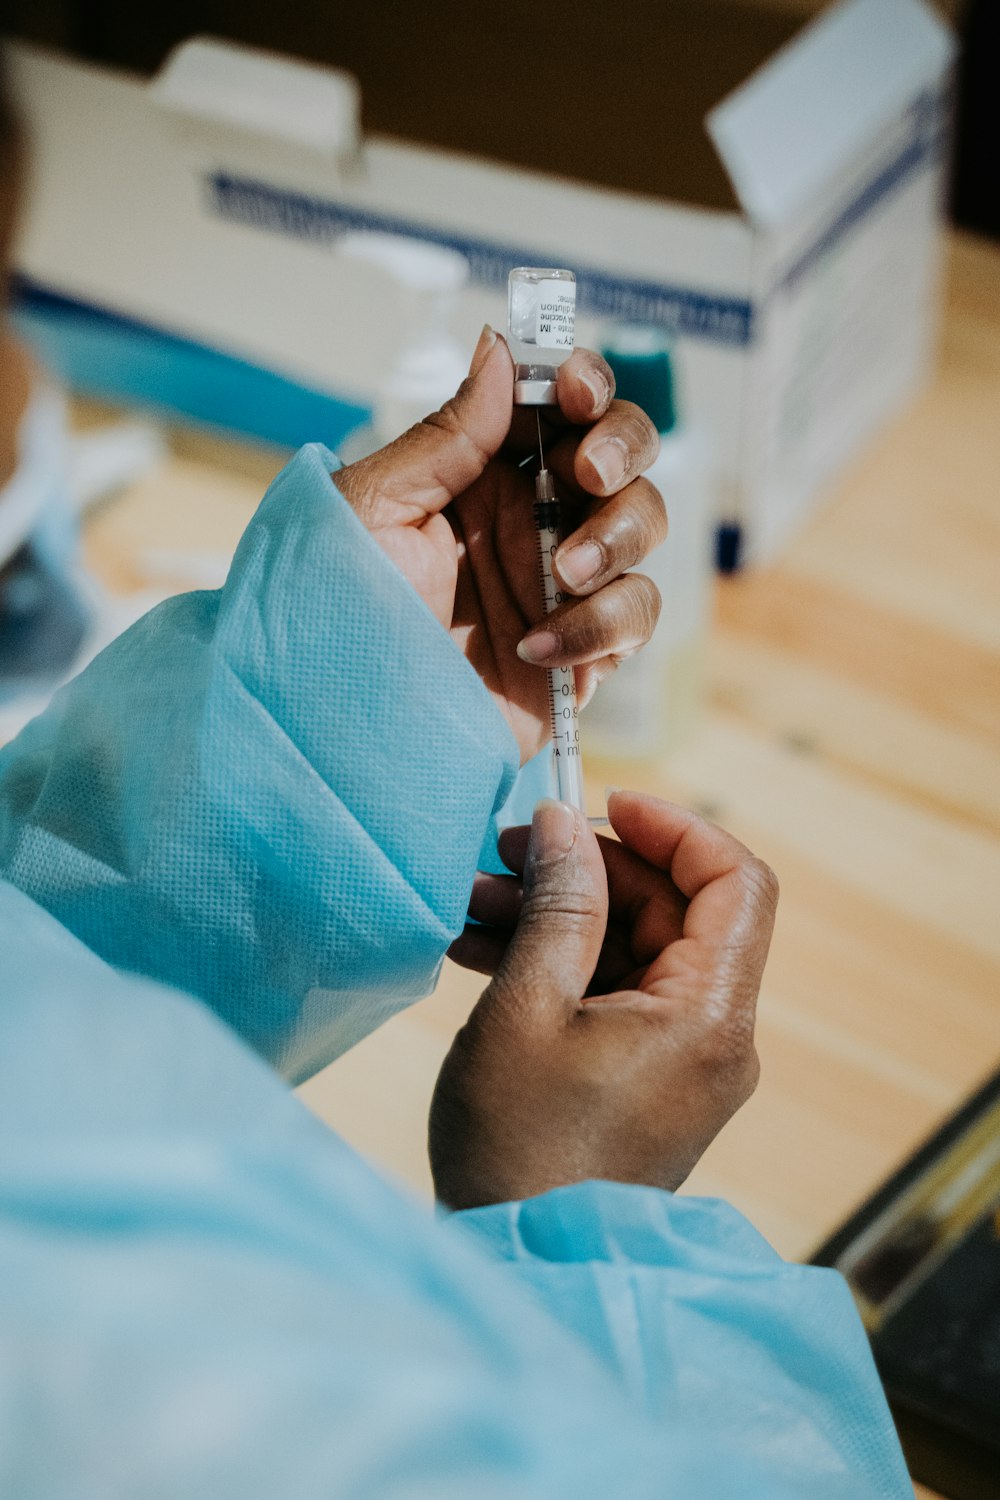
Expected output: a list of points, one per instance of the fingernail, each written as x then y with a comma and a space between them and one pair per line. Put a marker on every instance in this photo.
538, 646
609, 791
480, 354
610, 460
579, 564
553, 831
597, 386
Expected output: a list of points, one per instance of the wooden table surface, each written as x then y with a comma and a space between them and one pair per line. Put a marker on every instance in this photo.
851, 739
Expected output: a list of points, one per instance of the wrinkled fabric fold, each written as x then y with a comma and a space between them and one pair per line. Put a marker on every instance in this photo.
705, 1323
204, 1292
272, 796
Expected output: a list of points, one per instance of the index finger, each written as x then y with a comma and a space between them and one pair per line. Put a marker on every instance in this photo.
585, 385
694, 851
732, 894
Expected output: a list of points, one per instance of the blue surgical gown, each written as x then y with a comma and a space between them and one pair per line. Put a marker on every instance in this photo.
232, 847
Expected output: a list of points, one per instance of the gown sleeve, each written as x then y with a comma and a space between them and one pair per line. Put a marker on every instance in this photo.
706, 1326
244, 795
205, 1292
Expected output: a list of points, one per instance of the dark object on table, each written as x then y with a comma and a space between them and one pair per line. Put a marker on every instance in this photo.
976, 177
922, 1258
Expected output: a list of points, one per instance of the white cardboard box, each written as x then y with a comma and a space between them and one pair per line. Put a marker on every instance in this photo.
803, 318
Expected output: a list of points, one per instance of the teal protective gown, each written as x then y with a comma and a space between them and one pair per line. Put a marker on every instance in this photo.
231, 848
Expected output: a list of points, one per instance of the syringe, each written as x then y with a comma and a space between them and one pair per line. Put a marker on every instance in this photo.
563, 707
541, 314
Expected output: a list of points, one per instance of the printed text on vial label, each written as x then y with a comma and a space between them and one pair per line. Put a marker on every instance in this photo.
556, 315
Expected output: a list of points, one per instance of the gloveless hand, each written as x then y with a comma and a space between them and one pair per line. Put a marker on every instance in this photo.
450, 505
616, 1036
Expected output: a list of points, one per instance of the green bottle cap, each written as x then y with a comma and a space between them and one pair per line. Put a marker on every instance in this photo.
640, 357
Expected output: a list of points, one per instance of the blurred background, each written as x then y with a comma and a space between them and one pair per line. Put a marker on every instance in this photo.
407, 59
783, 216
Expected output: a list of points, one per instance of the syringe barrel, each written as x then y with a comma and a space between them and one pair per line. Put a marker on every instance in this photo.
563, 706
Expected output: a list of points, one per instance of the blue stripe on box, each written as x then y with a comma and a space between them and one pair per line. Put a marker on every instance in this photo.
925, 147
681, 310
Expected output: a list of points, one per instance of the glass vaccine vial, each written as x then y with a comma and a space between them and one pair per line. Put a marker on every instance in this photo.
541, 323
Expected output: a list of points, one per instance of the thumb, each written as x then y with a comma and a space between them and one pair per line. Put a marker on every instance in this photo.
436, 460
551, 958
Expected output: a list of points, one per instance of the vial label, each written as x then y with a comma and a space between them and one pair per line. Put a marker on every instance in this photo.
555, 320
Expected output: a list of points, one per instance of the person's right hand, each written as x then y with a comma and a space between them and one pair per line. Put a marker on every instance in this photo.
616, 1036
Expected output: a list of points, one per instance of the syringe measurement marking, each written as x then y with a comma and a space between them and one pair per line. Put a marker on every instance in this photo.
562, 680
563, 710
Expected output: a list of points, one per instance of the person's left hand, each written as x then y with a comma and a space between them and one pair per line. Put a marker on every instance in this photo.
451, 507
